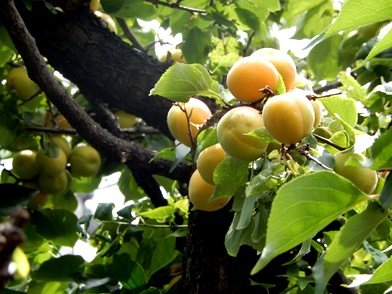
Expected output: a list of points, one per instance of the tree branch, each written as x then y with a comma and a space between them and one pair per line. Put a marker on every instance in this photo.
117, 149
177, 6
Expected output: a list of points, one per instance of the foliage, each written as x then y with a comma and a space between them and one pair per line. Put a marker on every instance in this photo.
288, 200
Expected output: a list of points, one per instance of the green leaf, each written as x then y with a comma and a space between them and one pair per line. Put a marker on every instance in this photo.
235, 238
323, 59
382, 273
64, 268
352, 87
356, 13
130, 274
381, 151
14, 196
197, 44
386, 193
302, 208
229, 175
343, 107
104, 211
129, 187
182, 81
59, 226
350, 236
383, 44
163, 254
160, 214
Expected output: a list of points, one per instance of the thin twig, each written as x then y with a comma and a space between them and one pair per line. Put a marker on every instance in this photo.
326, 141
130, 35
177, 5
327, 87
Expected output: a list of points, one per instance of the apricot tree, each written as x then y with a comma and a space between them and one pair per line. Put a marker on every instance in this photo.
281, 211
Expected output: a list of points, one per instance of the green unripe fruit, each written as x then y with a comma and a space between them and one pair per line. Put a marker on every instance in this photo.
19, 81
51, 166
364, 178
23, 164
57, 184
233, 130
85, 161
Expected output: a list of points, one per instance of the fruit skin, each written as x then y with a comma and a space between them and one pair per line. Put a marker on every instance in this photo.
176, 56
57, 184
199, 192
62, 143
59, 121
23, 164
250, 74
364, 178
208, 160
283, 63
232, 129
289, 117
318, 114
18, 80
111, 25
126, 120
85, 161
51, 166
177, 120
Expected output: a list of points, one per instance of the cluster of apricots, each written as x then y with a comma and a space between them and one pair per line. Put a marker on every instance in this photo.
51, 174
287, 117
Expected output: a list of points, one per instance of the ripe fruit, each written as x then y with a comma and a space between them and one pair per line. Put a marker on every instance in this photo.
59, 121
317, 107
364, 178
126, 120
250, 74
63, 144
18, 80
56, 184
200, 191
85, 161
108, 20
176, 56
198, 113
94, 5
289, 117
208, 160
51, 166
283, 63
23, 164
232, 133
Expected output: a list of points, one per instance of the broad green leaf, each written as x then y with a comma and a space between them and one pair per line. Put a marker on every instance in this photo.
130, 274
104, 211
381, 151
350, 236
85, 184
296, 7
236, 237
58, 226
47, 287
323, 59
382, 273
302, 208
386, 193
229, 175
129, 187
352, 87
197, 44
14, 196
163, 254
356, 13
343, 107
384, 43
160, 214
64, 268
182, 81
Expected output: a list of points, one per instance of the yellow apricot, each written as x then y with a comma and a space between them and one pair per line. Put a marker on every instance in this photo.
208, 160
289, 117
51, 165
364, 178
197, 111
19, 81
283, 63
250, 74
176, 56
56, 184
233, 129
85, 161
318, 114
199, 192
23, 164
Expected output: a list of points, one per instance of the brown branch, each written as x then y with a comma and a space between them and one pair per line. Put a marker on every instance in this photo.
177, 5
327, 87
130, 35
113, 147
